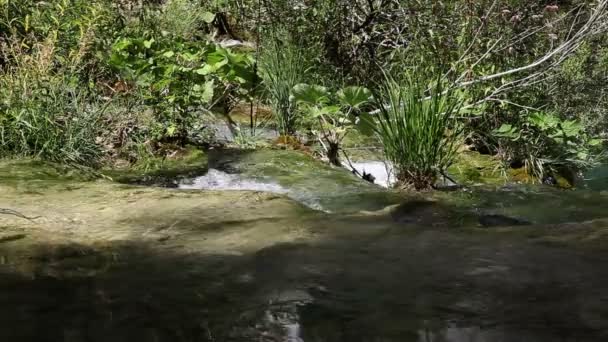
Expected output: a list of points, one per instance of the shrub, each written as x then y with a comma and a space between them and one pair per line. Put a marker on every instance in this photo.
44, 113
179, 80
418, 129
332, 116
282, 68
546, 144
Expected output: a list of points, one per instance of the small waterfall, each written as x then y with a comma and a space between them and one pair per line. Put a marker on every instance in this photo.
382, 172
218, 180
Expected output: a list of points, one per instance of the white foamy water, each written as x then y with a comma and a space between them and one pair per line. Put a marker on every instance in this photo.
378, 169
218, 180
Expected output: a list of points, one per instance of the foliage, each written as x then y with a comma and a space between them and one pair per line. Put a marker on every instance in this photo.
333, 116
44, 114
80, 30
158, 67
180, 79
417, 128
282, 68
182, 18
547, 144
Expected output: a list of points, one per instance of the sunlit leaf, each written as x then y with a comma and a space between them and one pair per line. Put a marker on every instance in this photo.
310, 94
354, 96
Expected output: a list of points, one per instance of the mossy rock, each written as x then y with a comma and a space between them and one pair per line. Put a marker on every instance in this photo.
563, 182
162, 170
475, 168
19, 170
33, 176
521, 175
308, 179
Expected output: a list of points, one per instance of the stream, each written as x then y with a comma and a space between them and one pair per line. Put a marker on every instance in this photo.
275, 246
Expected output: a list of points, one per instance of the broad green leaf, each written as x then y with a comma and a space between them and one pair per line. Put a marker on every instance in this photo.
168, 54
208, 17
354, 96
544, 121
582, 155
507, 131
205, 70
595, 142
310, 94
171, 130
148, 43
122, 44
572, 128
505, 128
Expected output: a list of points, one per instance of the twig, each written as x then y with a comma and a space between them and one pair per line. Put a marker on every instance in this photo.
16, 213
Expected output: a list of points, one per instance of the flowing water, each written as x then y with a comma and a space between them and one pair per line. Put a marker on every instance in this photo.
212, 262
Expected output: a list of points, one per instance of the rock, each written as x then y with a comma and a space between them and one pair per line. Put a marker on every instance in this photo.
549, 180
501, 221
369, 177
421, 212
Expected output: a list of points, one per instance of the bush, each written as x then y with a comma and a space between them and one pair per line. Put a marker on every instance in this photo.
44, 114
282, 68
418, 129
546, 144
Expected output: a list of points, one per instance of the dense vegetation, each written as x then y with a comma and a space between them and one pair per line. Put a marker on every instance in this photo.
90, 82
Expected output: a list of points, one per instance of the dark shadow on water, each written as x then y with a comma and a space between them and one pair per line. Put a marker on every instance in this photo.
129, 292
389, 284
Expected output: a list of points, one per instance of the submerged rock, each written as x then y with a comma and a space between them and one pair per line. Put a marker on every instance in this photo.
422, 212
501, 221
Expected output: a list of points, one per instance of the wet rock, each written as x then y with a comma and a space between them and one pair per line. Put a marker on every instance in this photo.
501, 221
549, 180
368, 177
421, 212
11, 238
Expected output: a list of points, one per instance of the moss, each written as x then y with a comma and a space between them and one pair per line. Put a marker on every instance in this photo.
521, 175
19, 170
562, 182
475, 168
309, 180
164, 171
32, 176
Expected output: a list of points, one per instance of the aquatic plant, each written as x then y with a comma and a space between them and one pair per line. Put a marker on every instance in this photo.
282, 68
417, 127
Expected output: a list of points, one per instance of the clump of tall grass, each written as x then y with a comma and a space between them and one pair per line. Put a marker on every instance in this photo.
282, 66
417, 128
182, 18
43, 113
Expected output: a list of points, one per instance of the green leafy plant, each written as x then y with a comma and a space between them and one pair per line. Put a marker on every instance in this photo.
174, 80
547, 144
47, 116
418, 128
181, 79
182, 18
282, 68
333, 116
